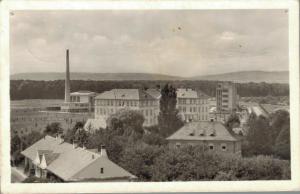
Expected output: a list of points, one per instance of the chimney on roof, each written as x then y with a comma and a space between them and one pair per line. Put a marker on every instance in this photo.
103, 151
74, 145
67, 80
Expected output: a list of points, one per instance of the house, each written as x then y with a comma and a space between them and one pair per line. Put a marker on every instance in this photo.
52, 157
80, 101
212, 134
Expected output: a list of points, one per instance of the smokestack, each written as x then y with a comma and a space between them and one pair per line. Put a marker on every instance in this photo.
103, 151
67, 81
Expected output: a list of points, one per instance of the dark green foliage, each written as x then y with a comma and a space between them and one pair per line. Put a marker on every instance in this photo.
31, 138
18, 144
195, 163
15, 149
126, 122
154, 139
232, 121
268, 136
168, 118
29, 89
139, 160
282, 144
34, 179
70, 133
81, 137
258, 138
53, 129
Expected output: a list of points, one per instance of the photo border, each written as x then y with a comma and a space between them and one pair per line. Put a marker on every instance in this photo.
120, 187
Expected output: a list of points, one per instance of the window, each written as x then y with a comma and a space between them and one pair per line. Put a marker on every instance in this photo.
178, 145
211, 146
101, 170
223, 146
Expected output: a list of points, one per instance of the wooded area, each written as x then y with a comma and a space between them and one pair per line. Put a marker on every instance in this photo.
29, 89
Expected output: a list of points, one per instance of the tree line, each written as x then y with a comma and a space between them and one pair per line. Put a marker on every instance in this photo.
29, 89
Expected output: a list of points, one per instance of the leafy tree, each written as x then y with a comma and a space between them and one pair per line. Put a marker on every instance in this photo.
279, 120
81, 137
53, 129
259, 141
282, 143
168, 118
16, 145
31, 138
154, 139
70, 133
139, 159
232, 121
126, 122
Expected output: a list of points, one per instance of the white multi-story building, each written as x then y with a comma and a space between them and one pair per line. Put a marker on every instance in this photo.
111, 101
226, 97
81, 101
192, 105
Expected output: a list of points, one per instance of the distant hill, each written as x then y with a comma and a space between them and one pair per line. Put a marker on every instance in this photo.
249, 76
93, 76
242, 76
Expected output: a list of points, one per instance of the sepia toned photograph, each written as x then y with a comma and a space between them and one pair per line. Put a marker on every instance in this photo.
149, 95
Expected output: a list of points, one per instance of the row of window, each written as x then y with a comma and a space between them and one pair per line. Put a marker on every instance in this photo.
192, 109
211, 146
75, 98
195, 117
126, 103
192, 101
109, 111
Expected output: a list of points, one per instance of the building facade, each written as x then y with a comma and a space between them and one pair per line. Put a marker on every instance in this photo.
24, 121
81, 101
109, 102
53, 158
226, 97
210, 134
192, 105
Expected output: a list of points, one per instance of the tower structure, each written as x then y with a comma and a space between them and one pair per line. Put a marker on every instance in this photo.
226, 96
67, 80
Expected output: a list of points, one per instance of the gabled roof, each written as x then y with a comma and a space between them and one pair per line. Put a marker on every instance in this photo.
190, 93
155, 93
203, 131
65, 161
125, 94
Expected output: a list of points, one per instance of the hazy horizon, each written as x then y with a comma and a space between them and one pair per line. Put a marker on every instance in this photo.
183, 43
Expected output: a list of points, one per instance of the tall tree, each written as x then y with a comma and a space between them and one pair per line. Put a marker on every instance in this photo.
259, 136
53, 129
126, 122
168, 118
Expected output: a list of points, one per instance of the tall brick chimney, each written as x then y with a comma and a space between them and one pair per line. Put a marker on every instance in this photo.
67, 80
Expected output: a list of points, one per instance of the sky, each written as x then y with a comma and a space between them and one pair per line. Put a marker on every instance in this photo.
174, 42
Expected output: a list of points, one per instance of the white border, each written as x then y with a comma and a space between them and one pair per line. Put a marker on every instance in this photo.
290, 185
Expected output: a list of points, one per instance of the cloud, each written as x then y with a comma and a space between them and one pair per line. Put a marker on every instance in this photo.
175, 42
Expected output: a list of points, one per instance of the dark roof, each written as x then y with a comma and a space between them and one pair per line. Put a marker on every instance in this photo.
203, 130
